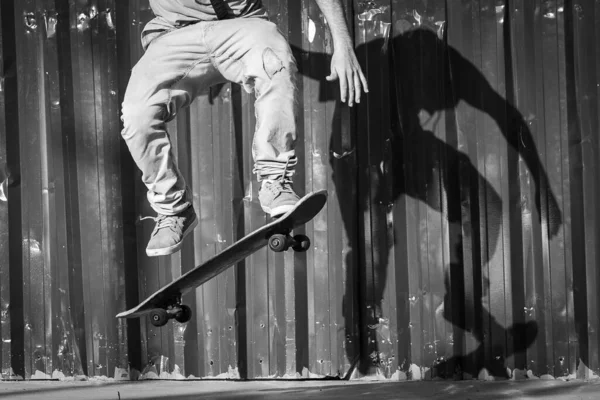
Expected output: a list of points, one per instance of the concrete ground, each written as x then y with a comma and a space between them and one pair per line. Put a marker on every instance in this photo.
288, 390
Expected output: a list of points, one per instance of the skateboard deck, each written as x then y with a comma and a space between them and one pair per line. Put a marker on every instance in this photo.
166, 302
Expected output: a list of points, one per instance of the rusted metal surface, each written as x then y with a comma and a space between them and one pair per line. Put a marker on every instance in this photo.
460, 237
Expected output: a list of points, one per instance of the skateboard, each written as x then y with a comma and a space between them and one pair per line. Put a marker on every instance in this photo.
166, 303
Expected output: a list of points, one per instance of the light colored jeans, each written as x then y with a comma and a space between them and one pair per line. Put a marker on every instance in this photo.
177, 66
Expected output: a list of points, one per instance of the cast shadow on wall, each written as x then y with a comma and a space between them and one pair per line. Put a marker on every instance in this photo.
401, 157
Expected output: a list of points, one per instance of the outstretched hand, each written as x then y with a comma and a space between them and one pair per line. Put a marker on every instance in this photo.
345, 67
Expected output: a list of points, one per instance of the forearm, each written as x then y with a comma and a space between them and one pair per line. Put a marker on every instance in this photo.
334, 14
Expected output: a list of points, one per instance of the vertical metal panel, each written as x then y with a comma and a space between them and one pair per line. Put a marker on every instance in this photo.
114, 272
371, 34
555, 295
568, 359
5, 317
98, 183
202, 179
73, 347
63, 356
185, 351
582, 107
490, 163
128, 44
14, 193
33, 173
520, 75
87, 180
463, 272
254, 266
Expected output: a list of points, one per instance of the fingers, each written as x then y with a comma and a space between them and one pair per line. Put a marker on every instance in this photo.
350, 87
360, 83
343, 87
358, 87
352, 90
352, 80
357, 83
363, 80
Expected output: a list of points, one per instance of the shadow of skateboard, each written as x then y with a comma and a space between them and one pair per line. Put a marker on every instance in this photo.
166, 302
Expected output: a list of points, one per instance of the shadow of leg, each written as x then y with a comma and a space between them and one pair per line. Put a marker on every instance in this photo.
465, 290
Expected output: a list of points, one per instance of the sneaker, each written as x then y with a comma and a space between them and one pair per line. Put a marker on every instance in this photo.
277, 197
169, 232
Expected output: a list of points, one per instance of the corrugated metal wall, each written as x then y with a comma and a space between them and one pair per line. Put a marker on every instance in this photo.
460, 237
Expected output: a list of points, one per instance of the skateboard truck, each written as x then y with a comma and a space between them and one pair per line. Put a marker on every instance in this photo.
280, 242
180, 312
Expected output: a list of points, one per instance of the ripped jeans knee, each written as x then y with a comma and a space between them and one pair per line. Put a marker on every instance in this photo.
272, 63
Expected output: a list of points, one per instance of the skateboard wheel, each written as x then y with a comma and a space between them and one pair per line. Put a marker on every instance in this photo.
278, 243
301, 243
184, 315
159, 318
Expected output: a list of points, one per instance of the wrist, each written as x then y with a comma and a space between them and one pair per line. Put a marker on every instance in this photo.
342, 42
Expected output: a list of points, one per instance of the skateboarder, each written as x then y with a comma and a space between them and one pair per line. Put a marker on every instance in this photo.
193, 44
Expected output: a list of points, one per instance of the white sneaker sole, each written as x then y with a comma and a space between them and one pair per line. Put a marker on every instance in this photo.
277, 211
175, 248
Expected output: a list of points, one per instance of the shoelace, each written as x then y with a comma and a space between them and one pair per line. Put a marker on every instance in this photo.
172, 222
278, 187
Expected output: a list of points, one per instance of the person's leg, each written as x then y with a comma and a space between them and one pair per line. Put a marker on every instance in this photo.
253, 53
172, 72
